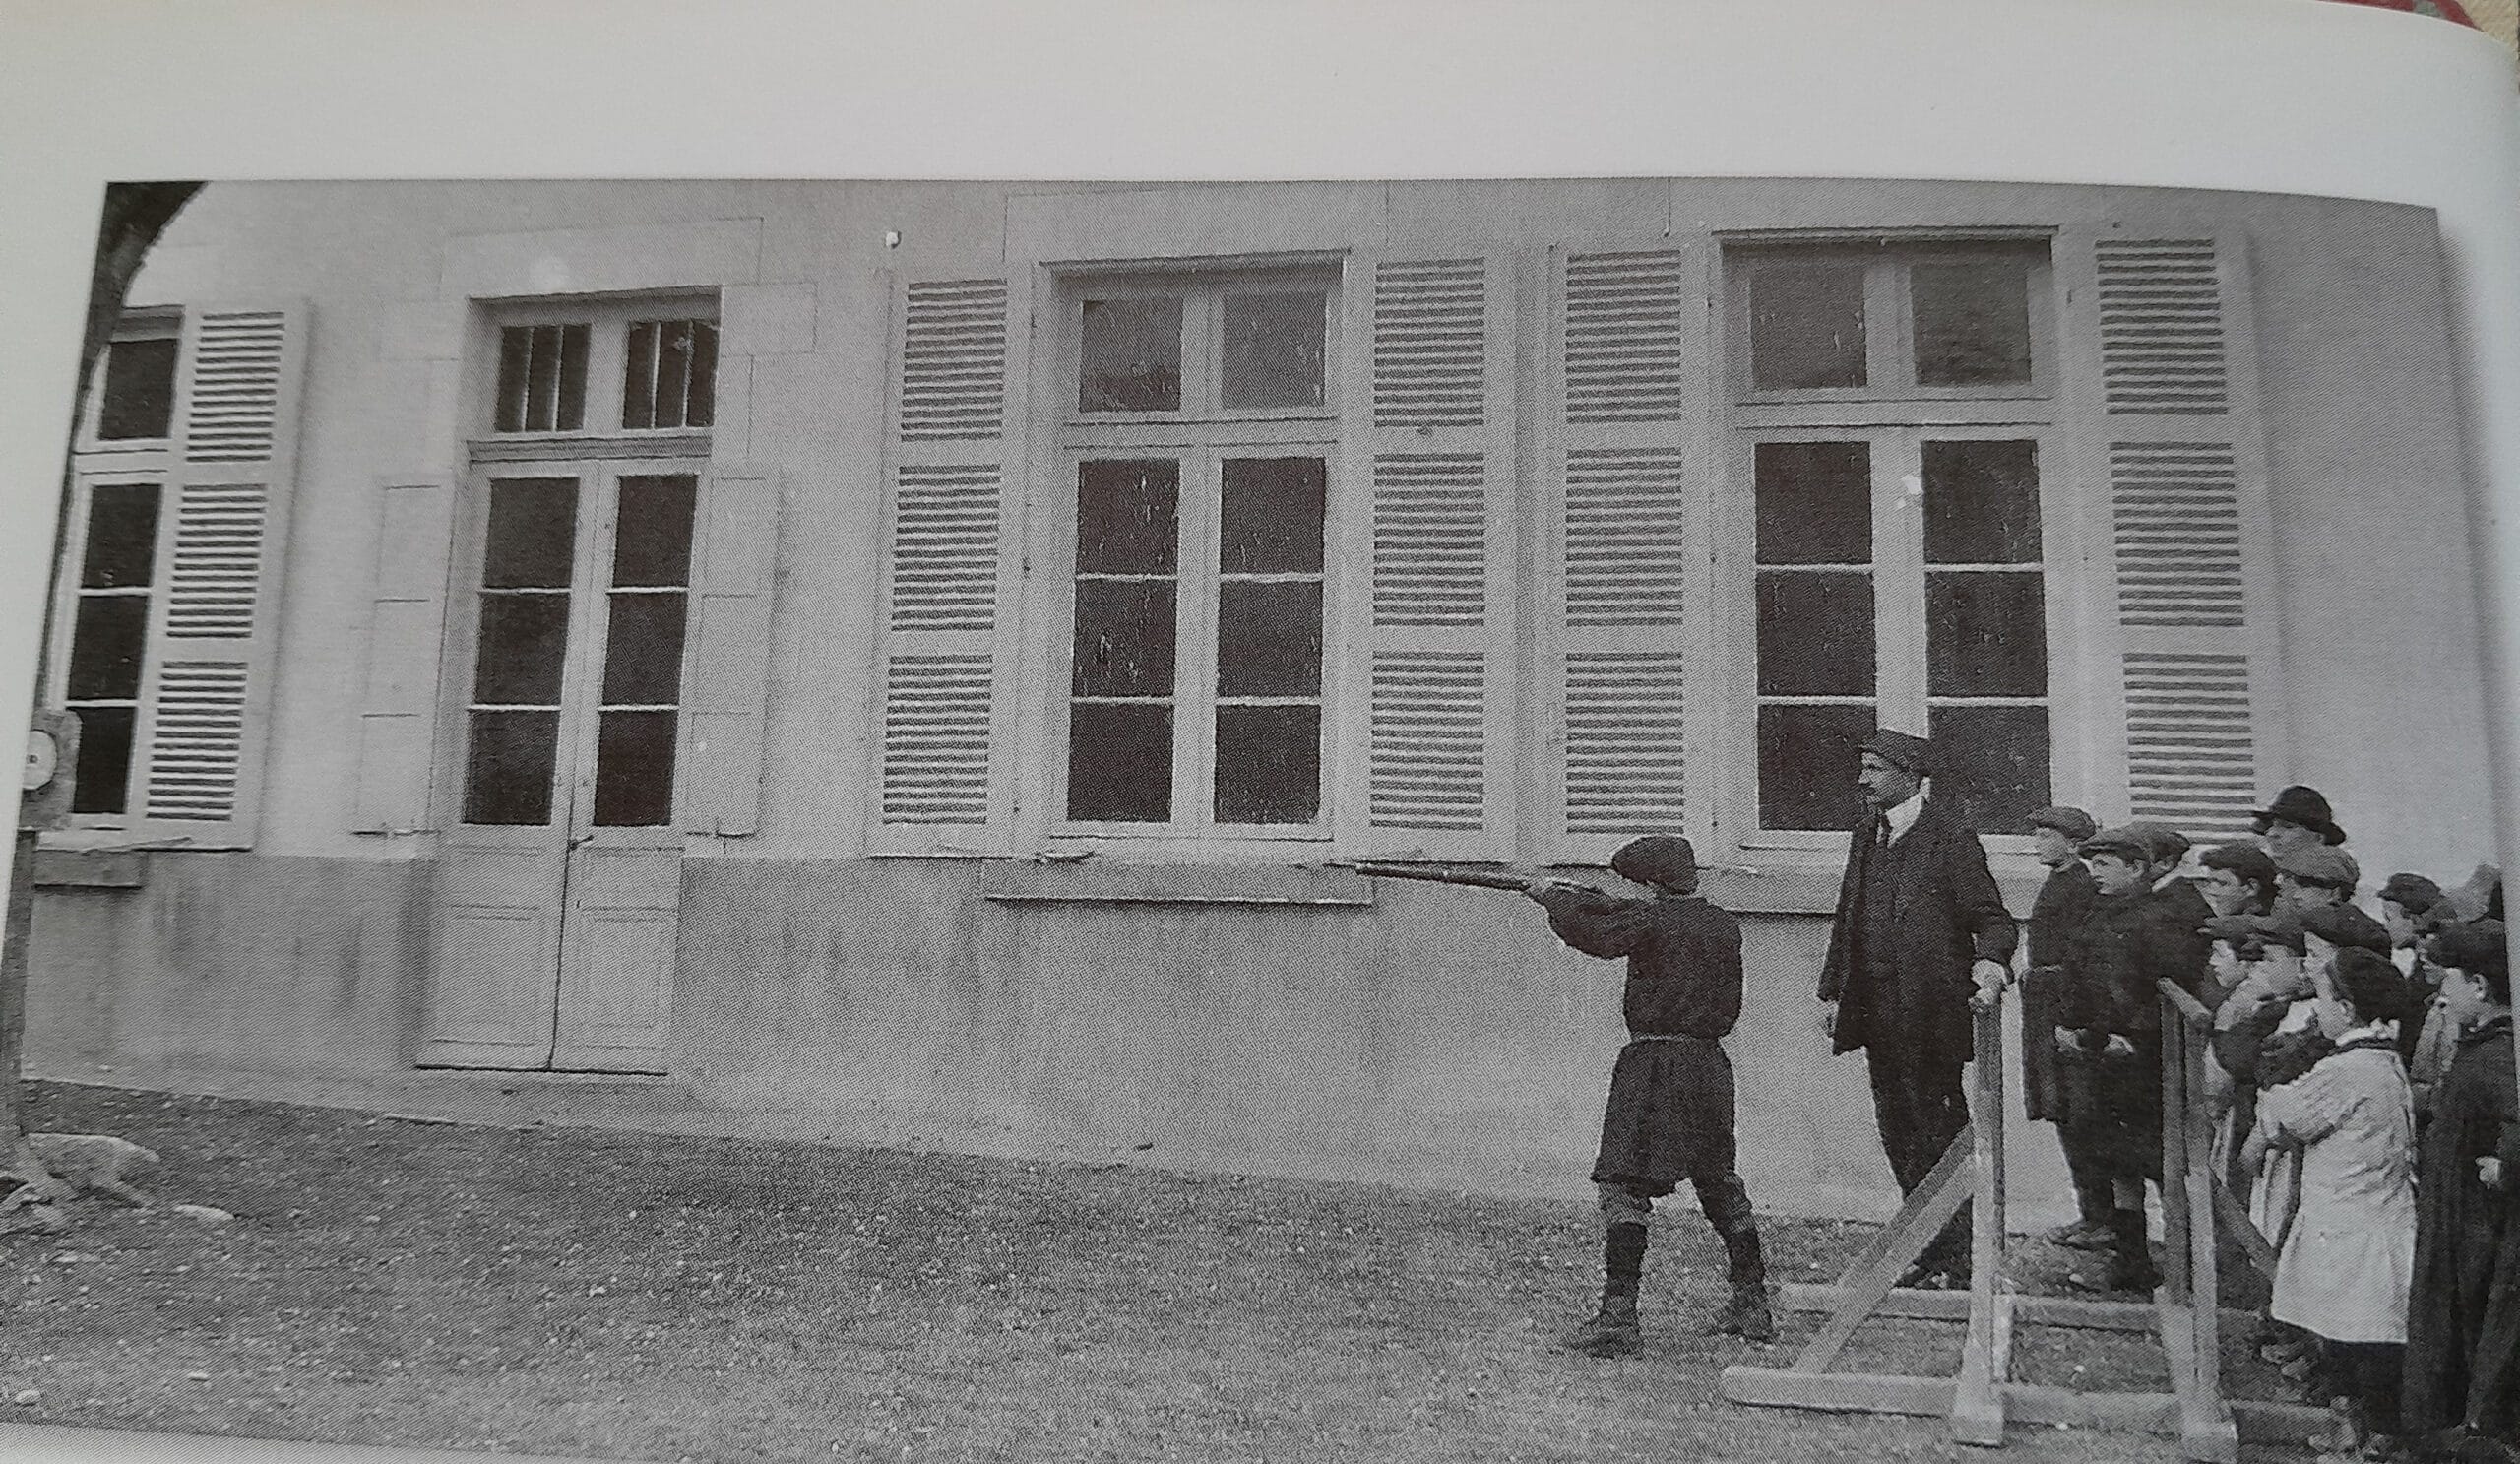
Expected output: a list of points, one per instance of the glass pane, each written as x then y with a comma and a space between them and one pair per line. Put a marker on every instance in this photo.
525, 641
543, 378
1806, 326
103, 783
1131, 356
1985, 634
532, 538
1971, 322
652, 533
1268, 764
1273, 511
1993, 761
122, 536
1815, 502
507, 772
1123, 638
1982, 502
701, 409
105, 647
1807, 760
1128, 516
570, 414
639, 376
524, 646
634, 769
1269, 638
643, 654
1119, 762
1815, 633
1273, 350
516, 349
138, 392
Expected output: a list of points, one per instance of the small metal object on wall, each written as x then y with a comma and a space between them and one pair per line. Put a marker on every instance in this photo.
52, 762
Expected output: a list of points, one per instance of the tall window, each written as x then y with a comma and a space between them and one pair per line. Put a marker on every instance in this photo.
1892, 406
125, 446
1201, 447
585, 564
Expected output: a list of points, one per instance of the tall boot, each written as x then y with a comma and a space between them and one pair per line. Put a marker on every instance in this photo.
1745, 1312
1612, 1330
2130, 1258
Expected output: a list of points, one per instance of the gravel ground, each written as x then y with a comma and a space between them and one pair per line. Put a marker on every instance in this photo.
637, 1296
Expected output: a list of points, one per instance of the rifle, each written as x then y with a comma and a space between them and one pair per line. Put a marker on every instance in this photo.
1487, 879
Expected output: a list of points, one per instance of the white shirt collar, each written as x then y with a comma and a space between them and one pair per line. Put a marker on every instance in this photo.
1903, 816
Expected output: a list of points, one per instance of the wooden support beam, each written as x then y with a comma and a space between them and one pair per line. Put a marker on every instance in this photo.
2080, 1313
2206, 1432
2237, 1222
1838, 1392
1934, 1202
1953, 1159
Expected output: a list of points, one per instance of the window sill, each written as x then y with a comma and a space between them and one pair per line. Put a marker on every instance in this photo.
1023, 883
76, 870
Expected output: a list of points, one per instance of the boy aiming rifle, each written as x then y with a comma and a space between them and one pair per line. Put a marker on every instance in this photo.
1670, 1115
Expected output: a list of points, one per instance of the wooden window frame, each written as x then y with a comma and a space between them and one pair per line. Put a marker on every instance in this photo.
600, 434
1201, 436
1896, 416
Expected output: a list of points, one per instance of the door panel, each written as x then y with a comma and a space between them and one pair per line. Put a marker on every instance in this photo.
498, 955
616, 965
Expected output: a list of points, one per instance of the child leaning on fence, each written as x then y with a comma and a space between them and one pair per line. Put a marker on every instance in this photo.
2348, 1260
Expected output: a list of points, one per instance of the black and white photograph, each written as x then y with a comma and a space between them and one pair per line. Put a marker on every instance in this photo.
1611, 815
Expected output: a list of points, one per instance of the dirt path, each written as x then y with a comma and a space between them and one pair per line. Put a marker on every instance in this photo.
574, 1292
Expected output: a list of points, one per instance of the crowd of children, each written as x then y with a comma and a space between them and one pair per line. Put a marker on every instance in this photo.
2362, 1087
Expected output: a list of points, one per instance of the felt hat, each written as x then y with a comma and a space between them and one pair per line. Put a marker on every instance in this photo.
2321, 865
2375, 987
2344, 926
2125, 841
2275, 929
2168, 844
1664, 861
2240, 932
2254, 865
2473, 946
1912, 754
2074, 823
2412, 893
2306, 807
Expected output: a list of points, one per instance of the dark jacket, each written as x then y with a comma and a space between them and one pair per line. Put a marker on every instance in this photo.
1683, 957
2459, 1229
2056, 919
1911, 920
2126, 945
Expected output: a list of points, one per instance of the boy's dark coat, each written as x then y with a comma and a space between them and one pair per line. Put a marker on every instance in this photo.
2459, 1229
2113, 1101
2056, 918
1670, 1115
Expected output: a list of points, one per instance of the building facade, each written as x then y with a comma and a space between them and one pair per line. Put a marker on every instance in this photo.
914, 654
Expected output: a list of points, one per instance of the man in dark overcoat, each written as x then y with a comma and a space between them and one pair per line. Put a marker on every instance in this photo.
1921, 935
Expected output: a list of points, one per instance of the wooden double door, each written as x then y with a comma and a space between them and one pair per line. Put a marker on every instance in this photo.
559, 872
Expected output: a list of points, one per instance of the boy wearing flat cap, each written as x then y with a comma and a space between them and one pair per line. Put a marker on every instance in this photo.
2056, 918
2109, 1033
1921, 936
1670, 1115
2313, 875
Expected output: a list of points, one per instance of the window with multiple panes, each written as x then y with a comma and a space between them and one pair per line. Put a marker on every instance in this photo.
124, 447
1199, 446
1892, 406
581, 591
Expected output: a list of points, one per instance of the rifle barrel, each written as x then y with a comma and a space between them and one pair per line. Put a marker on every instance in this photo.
1478, 878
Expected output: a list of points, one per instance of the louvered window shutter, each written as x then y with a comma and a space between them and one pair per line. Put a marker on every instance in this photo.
729, 691
944, 567
406, 647
2180, 450
1438, 353
1628, 333
206, 688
